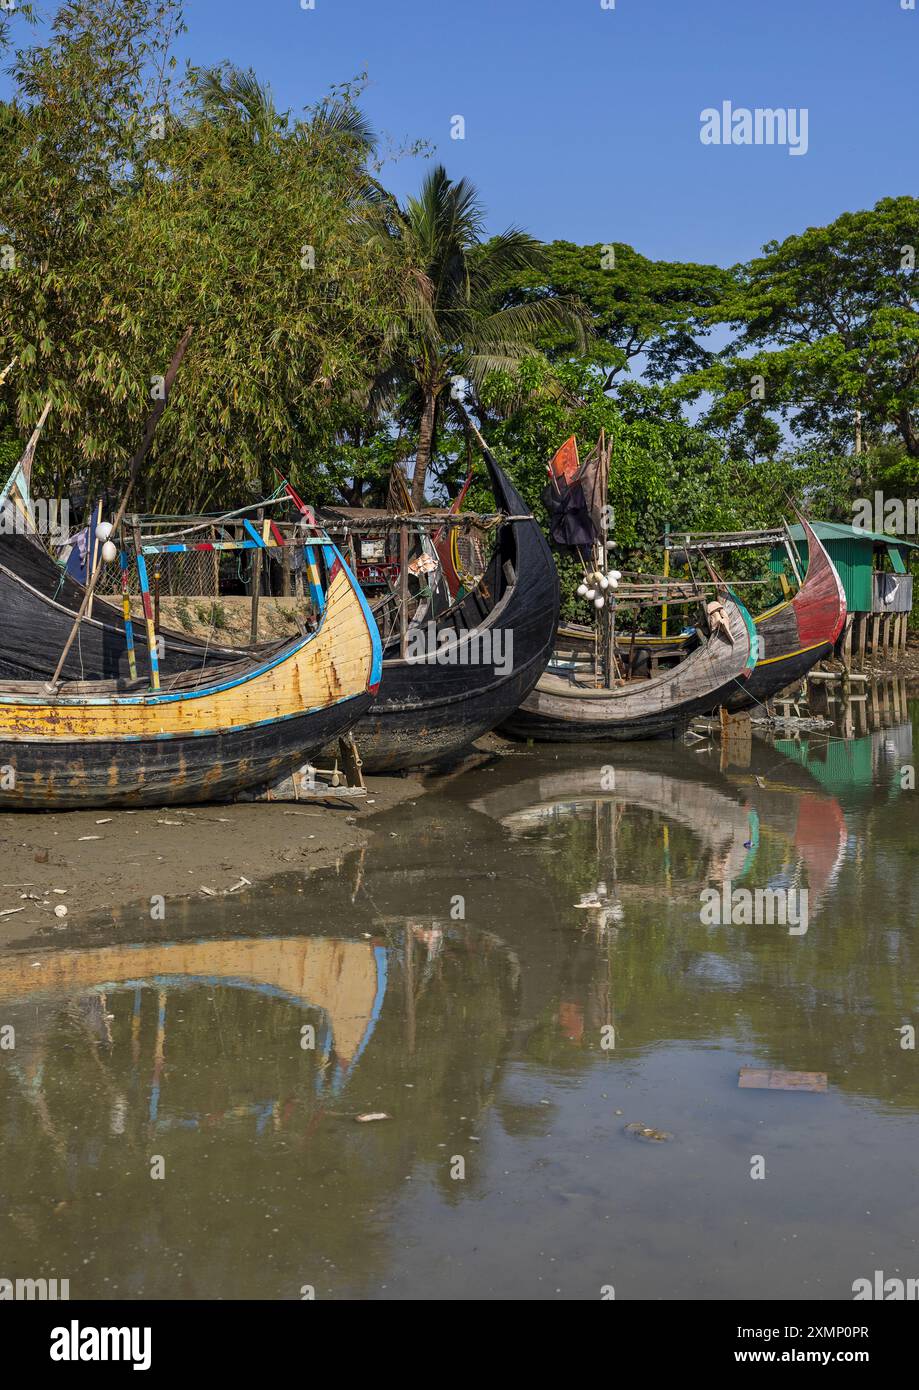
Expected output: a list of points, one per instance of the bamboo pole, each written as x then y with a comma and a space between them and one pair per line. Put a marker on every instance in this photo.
95, 560
666, 575
28, 457
403, 587
256, 584
126, 614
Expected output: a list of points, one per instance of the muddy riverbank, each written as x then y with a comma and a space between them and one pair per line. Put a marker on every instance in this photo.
94, 861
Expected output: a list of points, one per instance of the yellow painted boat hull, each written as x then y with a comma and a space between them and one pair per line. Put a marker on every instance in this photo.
205, 735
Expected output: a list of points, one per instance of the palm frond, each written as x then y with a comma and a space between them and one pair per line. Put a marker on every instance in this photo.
228, 91
525, 322
342, 120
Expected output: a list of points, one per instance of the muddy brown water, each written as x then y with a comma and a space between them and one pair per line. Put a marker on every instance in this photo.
514, 972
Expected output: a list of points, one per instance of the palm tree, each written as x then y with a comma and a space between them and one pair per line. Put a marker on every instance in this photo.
230, 93
235, 94
456, 324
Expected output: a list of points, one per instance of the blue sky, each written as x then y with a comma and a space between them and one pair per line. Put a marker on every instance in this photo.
583, 123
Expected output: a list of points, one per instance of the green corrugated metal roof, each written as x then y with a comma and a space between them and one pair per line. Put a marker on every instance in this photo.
852, 551
838, 530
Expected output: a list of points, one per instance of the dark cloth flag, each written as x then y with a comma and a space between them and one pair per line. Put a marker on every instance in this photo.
569, 516
576, 496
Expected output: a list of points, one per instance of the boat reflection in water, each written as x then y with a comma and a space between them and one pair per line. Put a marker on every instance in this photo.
488, 946
872, 755
343, 982
599, 798
242, 1064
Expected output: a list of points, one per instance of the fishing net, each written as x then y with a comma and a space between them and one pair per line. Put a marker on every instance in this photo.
195, 574
472, 546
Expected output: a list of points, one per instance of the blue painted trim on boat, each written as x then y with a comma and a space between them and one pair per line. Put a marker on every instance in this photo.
212, 981
381, 958
751, 630
376, 666
164, 697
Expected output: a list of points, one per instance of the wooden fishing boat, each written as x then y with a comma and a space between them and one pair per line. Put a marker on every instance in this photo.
205, 734
572, 704
798, 633
462, 673
795, 634
564, 708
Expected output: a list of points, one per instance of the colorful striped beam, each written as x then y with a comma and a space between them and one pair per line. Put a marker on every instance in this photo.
258, 540
128, 622
148, 619
312, 571
257, 544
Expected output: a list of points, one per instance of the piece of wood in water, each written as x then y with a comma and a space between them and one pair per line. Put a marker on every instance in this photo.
758, 1079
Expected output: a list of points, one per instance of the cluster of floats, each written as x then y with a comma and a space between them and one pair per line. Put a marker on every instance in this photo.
99, 709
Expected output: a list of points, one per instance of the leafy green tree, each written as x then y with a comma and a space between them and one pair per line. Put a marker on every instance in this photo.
664, 471
135, 207
827, 336
655, 311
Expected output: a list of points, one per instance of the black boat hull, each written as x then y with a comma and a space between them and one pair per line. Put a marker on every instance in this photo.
799, 633
527, 724
767, 679
401, 731
428, 712
61, 776
39, 603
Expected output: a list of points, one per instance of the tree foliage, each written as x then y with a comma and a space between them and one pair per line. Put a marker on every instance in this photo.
827, 328
655, 312
332, 323
455, 323
136, 205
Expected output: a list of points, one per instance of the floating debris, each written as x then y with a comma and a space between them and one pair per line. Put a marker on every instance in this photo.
753, 1078
373, 1115
651, 1136
223, 892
